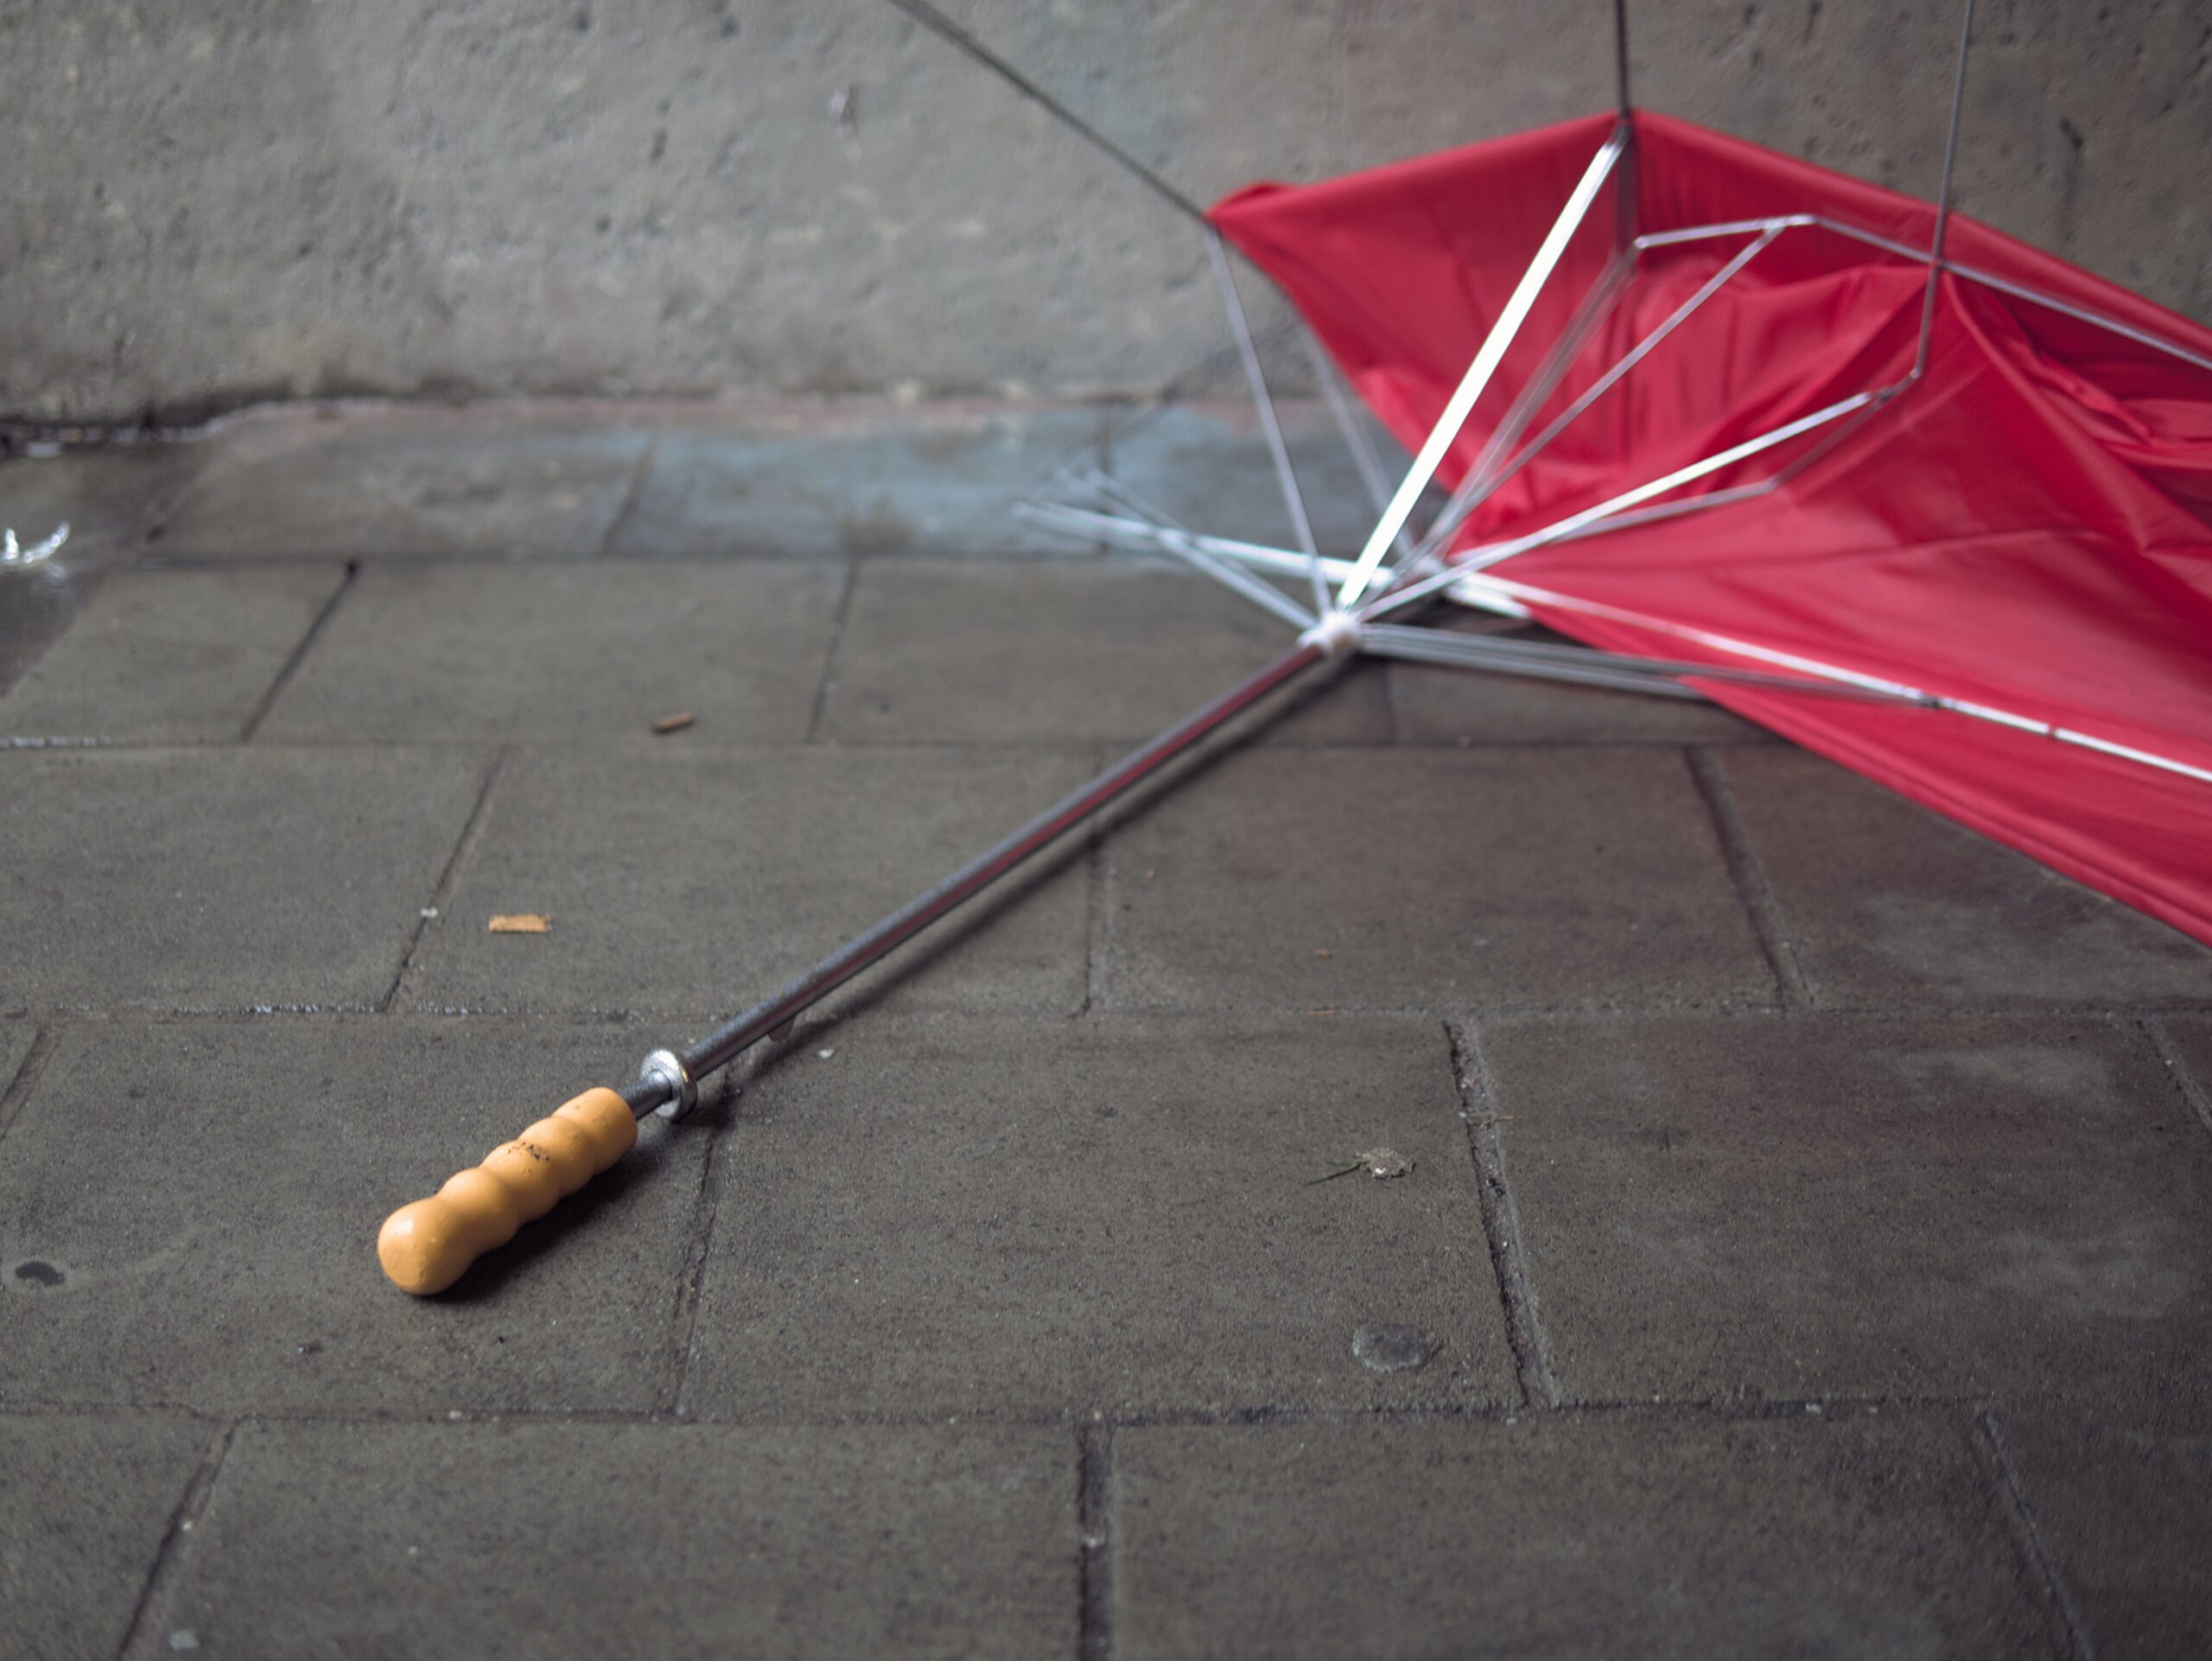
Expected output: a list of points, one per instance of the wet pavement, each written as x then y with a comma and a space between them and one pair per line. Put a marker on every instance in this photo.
1804, 1240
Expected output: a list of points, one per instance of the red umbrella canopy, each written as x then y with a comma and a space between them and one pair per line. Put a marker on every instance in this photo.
2026, 533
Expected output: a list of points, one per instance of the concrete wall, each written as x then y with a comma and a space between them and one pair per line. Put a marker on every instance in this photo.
207, 201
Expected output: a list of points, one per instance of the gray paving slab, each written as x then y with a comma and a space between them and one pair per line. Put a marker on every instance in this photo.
206, 1197
1432, 879
1206, 465
826, 479
1887, 904
551, 1540
1439, 704
566, 654
170, 656
1614, 1536
694, 884
1851, 1207
108, 498
1055, 651
530, 479
220, 878
90, 1501
1002, 1217
2123, 1514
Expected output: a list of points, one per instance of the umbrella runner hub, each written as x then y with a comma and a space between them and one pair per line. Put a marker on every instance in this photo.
1338, 633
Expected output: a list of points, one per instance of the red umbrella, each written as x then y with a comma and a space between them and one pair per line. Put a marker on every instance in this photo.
1929, 501
1989, 505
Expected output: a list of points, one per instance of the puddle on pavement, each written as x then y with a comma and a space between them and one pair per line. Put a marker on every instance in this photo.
36, 603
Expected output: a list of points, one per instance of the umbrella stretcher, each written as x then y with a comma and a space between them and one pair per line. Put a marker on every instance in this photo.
1919, 497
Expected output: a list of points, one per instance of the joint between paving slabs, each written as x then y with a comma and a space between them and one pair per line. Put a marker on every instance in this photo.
1097, 917
832, 652
2192, 1088
1524, 1332
2059, 1613
719, 1127
1094, 1524
190, 1508
441, 895
291, 667
1750, 879
17, 1090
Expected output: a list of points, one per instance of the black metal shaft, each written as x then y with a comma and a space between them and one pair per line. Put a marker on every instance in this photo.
728, 1041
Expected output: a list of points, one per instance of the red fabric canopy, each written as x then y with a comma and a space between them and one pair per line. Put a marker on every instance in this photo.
2029, 529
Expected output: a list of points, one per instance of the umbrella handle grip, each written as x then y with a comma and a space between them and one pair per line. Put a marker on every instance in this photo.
425, 1246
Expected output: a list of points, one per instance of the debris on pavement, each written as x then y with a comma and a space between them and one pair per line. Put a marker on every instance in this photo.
1385, 1347
675, 723
1380, 1162
528, 922
1386, 1163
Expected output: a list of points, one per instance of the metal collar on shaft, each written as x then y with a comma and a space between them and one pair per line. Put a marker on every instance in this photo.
665, 1070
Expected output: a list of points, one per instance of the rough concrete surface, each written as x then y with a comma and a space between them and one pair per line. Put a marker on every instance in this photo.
2117, 1509
206, 1197
2010, 1207
820, 1540
221, 879
1110, 650
1121, 1214
1880, 901
470, 652
804, 477
769, 858
171, 657
1870, 1535
1803, 1249
525, 196
382, 481
73, 1558
1287, 880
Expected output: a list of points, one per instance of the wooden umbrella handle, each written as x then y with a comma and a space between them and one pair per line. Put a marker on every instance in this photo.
425, 1246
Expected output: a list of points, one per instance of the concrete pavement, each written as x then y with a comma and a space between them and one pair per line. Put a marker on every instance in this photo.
1805, 1247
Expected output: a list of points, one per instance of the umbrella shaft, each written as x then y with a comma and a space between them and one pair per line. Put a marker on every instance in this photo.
728, 1041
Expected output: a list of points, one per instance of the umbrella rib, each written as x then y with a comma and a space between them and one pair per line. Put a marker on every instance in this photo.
1292, 498
1487, 360
1435, 646
1481, 559
1872, 684
1142, 534
1957, 268
1182, 544
1364, 460
1943, 200
952, 33
1477, 486
1598, 388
